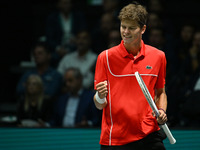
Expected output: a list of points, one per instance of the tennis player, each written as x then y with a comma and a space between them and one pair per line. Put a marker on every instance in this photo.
127, 120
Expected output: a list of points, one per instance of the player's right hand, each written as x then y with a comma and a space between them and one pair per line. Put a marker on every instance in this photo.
102, 89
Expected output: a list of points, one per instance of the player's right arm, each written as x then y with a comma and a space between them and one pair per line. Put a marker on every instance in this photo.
100, 99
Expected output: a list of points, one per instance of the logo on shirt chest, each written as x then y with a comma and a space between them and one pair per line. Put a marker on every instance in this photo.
148, 67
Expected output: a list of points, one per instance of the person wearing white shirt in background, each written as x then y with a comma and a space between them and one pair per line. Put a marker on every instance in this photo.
83, 58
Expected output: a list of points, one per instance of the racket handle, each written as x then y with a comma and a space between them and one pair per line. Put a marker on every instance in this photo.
172, 140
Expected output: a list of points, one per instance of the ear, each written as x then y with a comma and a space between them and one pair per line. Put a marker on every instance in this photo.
144, 29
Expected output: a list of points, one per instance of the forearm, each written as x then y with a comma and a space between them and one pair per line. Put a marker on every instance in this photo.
161, 101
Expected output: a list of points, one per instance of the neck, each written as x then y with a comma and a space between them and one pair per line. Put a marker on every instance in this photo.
75, 93
33, 99
42, 68
133, 49
82, 53
65, 15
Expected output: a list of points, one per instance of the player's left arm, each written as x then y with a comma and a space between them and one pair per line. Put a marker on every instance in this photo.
161, 103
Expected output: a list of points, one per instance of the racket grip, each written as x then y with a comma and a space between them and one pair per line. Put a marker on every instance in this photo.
172, 140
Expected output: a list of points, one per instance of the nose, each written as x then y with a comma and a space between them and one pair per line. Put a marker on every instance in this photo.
126, 30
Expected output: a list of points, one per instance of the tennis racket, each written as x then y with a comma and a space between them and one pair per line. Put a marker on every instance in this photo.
150, 100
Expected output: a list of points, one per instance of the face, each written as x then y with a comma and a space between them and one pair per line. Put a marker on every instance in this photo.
65, 6
156, 38
110, 5
71, 82
114, 38
107, 23
187, 33
83, 41
40, 55
33, 87
196, 40
154, 20
131, 32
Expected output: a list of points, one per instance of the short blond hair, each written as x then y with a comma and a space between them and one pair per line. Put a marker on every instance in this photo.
135, 12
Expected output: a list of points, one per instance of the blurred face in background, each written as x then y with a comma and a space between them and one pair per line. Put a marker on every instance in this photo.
65, 6
156, 38
40, 55
114, 38
187, 33
107, 23
155, 6
110, 5
83, 41
154, 21
72, 83
196, 40
34, 85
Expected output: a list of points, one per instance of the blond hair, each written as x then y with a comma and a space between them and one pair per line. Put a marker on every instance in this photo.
134, 12
40, 94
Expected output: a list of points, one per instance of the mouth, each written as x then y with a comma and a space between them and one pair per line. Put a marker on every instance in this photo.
127, 37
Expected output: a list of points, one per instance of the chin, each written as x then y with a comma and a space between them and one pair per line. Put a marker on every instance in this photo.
127, 41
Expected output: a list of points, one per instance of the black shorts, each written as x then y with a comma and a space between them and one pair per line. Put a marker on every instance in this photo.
153, 141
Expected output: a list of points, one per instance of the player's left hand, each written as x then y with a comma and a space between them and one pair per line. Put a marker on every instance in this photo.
162, 118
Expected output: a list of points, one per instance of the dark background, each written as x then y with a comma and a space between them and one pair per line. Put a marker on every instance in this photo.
22, 22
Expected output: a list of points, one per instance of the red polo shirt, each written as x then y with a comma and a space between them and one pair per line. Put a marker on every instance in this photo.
128, 116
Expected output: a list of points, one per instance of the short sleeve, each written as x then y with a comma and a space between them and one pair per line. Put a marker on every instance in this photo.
162, 73
100, 70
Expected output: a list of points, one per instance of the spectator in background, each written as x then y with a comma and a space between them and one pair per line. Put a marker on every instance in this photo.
114, 38
158, 17
51, 78
156, 6
61, 28
184, 42
84, 59
184, 84
111, 6
101, 32
154, 21
159, 7
157, 38
34, 109
189, 100
76, 107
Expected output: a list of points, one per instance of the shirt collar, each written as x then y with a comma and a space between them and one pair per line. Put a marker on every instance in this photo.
125, 53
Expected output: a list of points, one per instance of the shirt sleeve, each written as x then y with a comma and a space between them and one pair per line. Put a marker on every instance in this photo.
162, 73
100, 70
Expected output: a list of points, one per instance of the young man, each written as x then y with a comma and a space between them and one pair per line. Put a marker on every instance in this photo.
127, 121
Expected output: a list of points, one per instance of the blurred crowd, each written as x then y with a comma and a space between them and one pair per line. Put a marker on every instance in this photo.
58, 90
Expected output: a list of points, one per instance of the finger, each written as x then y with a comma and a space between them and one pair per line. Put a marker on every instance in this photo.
103, 94
153, 114
101, 83
163, 119
101, 88
103, 91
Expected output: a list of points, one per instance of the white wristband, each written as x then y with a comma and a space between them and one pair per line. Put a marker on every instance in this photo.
100, 100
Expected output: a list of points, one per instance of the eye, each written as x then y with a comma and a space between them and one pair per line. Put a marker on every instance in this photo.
123, 27
132, 28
